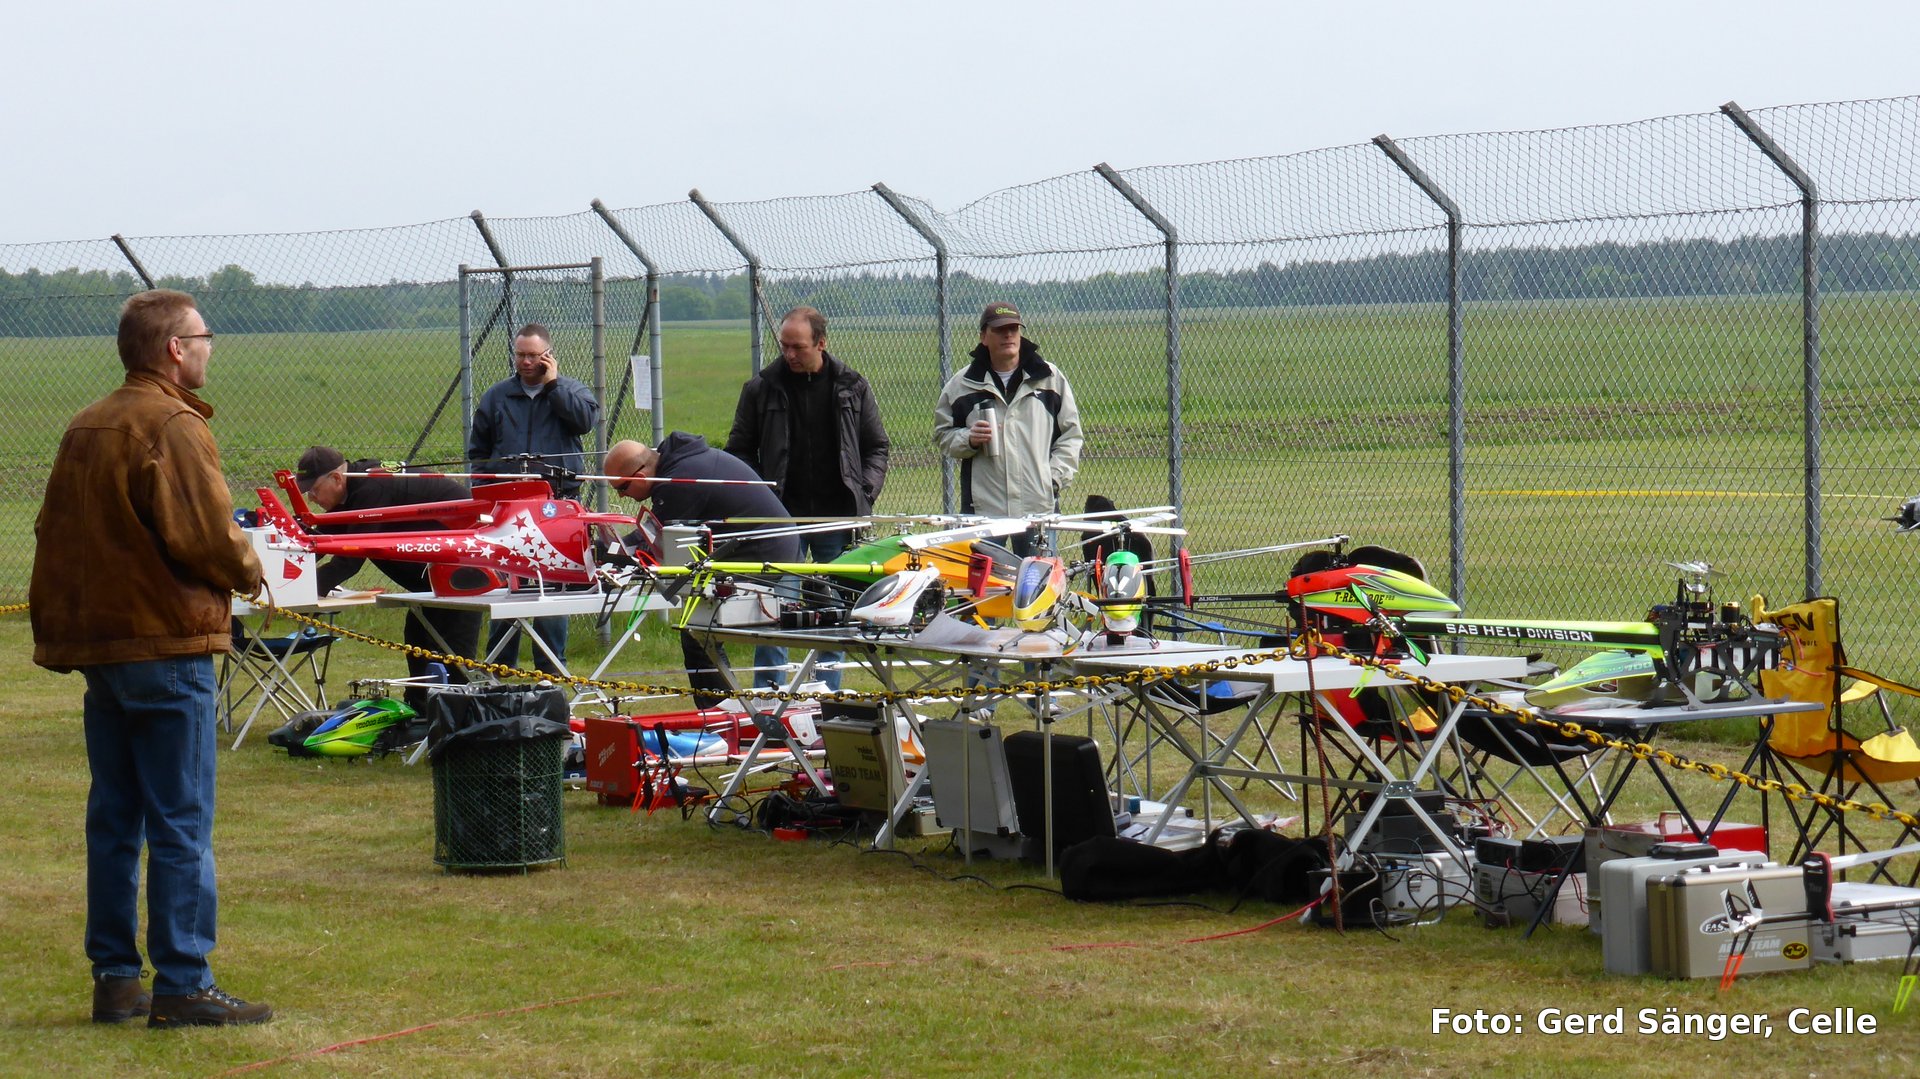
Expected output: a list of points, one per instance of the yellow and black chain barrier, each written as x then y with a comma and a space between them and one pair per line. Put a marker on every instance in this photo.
1798, 792
1309, 642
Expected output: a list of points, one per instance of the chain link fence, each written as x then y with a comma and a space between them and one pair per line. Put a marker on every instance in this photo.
1544, 362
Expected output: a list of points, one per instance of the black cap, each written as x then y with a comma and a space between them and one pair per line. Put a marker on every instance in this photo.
315, 463
997, 315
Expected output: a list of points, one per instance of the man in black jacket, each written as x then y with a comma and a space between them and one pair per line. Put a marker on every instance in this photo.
322, 476
810, 423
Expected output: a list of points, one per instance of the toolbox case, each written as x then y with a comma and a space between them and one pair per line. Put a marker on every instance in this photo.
1689, 934
1862, 938
1622, 903
617, 746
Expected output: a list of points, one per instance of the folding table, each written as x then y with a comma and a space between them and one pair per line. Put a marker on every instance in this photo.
1643, 720
1279, 679
944, 657
524, 607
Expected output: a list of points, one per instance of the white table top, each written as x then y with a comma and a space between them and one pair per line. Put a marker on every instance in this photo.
501, 603
324, 606
1675, 713
1293, 676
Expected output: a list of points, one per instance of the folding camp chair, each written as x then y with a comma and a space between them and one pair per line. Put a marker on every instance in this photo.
1813, 667
1398, 731
269, 670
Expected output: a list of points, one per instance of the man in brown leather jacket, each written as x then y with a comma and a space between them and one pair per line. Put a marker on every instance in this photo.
136, 552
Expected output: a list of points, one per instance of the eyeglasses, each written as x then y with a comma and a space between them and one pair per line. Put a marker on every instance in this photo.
190, 336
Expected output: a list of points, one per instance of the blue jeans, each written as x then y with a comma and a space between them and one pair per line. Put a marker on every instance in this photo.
150, 748
814, 547
551, 630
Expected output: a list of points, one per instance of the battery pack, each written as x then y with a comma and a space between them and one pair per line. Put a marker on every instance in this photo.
1422, 886
1511, 896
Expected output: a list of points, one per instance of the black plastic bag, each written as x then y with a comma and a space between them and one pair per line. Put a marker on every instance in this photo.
495, 714
1106, 868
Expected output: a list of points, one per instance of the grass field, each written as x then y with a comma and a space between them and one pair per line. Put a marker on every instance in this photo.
1603, 437
666, 946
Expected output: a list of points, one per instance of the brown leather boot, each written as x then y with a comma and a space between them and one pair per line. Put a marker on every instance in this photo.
117, 999
209, 1007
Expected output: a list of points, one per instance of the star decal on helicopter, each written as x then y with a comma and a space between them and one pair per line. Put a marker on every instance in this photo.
521, 544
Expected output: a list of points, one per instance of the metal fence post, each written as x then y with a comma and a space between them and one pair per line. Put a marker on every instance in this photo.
941, 327
755, 316
120, 242
654, 374
597, 274
1175, 421
466, 362
506, 280
1456, 372
1810, 333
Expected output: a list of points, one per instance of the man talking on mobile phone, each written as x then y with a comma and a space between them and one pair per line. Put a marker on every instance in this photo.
540, 412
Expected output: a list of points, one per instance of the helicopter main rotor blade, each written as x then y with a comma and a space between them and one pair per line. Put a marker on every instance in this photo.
1703, 569
679, 479
989, 529
1161, 564
1142, 523
766, 533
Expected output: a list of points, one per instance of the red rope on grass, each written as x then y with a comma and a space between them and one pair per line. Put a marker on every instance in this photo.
1270, 923
337, 1046
1097, 945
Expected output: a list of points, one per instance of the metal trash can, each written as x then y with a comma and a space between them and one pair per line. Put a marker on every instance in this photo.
497, 755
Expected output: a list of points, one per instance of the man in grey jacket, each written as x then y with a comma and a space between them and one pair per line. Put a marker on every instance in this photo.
810, 423
1011, 422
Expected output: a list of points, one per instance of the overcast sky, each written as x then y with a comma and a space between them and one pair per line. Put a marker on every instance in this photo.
202, 116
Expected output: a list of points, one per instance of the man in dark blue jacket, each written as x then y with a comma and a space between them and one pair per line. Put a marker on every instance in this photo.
688, 457
682, 457
535, 411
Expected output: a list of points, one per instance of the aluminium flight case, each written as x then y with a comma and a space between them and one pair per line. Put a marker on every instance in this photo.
1623, 912
1690, 916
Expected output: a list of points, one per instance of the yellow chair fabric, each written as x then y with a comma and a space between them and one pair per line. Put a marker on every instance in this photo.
1813, 668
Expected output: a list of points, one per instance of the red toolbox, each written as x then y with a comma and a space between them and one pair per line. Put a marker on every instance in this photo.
1635, 839
616, 745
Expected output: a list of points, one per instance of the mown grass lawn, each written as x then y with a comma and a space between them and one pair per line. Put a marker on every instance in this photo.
666, 945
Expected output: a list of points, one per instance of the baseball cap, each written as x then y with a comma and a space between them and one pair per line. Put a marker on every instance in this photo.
315, 463
999, 314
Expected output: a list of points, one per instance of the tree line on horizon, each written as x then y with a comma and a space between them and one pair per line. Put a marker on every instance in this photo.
74, 302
